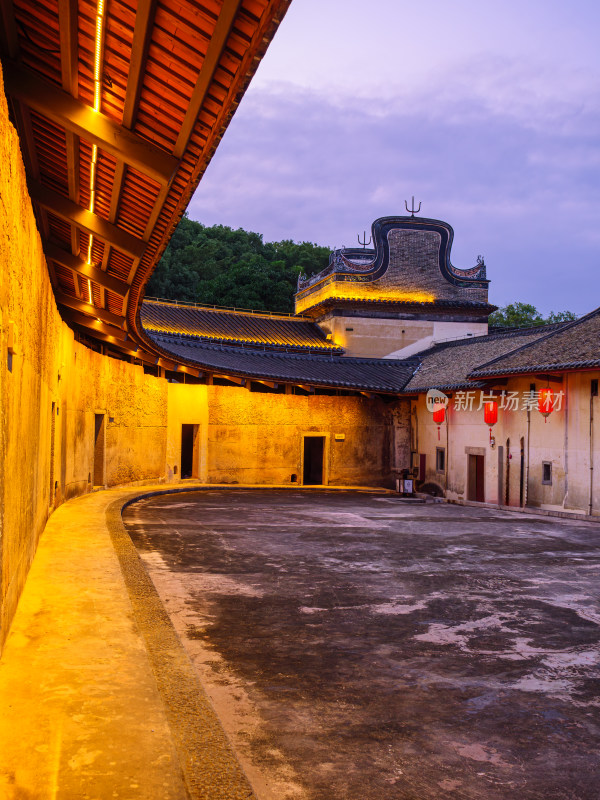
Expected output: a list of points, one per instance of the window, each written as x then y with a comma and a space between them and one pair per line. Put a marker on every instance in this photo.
547, 473
595, 387
440, 459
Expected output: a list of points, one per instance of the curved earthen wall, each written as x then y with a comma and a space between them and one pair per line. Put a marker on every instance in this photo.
53, 393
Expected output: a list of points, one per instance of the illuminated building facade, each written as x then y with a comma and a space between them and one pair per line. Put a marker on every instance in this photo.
399, 297
103, 139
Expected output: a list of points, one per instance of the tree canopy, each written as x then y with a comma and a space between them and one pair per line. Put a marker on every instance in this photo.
217, 265
220, 266
523, 315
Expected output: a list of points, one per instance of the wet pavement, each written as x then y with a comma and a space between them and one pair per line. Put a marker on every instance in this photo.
360, 648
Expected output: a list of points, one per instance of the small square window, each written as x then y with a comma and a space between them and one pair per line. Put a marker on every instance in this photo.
440, 459
547, 473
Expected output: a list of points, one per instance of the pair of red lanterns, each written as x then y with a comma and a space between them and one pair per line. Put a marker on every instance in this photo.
545, 406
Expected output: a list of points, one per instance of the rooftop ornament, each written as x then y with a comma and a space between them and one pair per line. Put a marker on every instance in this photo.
412, 209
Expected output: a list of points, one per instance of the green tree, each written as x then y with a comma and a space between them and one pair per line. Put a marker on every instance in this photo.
524, 315
220, 266
561, 316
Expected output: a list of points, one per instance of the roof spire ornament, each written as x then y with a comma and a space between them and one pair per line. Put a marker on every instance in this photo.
412, 210
364, 241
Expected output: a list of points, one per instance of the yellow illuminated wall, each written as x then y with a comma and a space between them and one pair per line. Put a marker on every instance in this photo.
347, 290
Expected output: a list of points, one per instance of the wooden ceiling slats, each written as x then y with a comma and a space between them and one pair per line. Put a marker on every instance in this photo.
119, 264
97, 251
65, 278
154, 55
83, 239
114, 303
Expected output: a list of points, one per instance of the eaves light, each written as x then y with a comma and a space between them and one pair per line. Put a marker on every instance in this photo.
98, 47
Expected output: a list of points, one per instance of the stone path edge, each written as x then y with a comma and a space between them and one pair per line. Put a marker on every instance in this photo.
210, 767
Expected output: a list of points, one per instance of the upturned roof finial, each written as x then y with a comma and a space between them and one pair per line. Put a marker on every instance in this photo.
364, 241
413, 210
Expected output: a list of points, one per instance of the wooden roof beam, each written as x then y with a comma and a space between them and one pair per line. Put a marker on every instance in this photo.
97, 326
232, 378
92, 126
88, 221
214, 50
185, 370
88, 309
69, 62
142, 36
9, 36
75, 264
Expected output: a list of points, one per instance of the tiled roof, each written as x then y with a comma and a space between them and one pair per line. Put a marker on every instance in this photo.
234, 327
449, 365
572, 346
372, 374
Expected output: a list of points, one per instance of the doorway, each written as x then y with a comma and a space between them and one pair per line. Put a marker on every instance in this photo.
99, 439
507, 489
189, 451
52, 444
522, 475
314, 451
475, 483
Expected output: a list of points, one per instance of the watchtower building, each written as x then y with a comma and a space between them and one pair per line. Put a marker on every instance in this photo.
400, 296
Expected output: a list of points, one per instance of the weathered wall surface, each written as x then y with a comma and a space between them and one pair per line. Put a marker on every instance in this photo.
569, 441
52, 388
374, 337
72, 419
255, 438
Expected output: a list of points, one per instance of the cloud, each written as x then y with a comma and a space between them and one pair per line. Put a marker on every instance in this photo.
511, 161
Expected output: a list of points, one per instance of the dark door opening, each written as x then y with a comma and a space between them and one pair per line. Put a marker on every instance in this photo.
475, 487
507, 496
522, 475
188, 437
98, 450
314, 448
52, 442
422, 466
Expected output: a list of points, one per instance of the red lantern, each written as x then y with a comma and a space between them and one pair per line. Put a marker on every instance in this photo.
546, 402
490, 414
439, 415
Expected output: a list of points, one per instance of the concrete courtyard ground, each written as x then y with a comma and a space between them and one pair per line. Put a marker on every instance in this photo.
361, 648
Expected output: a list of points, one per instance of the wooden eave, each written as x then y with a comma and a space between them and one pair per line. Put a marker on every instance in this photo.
173, 74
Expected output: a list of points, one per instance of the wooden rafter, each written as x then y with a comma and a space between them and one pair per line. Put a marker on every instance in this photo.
211, 60
86, 220
93, 126
76, 265
163, 112
88, 310
69, 51
96, 325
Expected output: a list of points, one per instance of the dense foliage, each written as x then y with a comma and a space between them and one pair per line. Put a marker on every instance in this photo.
221, 266
521, 315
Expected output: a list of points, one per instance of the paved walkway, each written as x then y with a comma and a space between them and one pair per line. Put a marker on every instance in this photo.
98, 699
363, 648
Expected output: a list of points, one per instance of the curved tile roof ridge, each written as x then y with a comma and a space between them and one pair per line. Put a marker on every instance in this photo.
487, 368
231, 326
328, 371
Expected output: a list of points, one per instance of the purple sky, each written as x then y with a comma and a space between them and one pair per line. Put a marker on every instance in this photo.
487, 112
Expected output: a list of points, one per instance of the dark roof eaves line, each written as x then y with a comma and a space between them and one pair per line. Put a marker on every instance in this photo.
537, 341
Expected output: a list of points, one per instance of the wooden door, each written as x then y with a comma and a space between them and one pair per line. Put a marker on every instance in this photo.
476, 478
